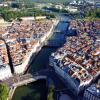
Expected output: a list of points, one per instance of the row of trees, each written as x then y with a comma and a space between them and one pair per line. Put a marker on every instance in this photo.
93, 13
4, 91
23, 4
10, 15
89, 13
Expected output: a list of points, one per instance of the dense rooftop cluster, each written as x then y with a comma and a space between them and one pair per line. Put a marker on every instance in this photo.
21, 37
80, 55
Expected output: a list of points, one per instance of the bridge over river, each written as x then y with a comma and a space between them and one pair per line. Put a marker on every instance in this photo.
18, 80
22, 80
28, 78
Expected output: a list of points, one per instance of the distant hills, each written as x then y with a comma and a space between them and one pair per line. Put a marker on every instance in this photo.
51, 0
59, 1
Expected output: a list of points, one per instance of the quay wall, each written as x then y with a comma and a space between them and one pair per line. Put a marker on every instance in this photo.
67, 79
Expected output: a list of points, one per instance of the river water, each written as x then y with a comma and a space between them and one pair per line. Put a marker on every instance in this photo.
37, 90
33, 91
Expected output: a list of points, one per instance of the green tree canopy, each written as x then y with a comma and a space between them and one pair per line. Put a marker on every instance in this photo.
50, 93
94, 13
10, 15
3, 91
98, 12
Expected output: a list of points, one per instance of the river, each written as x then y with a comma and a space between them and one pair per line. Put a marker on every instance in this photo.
34, 90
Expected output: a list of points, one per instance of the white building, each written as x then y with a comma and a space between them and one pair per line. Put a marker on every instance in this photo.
1, 20
58, 6
5, 72
79, 2
27, 18
4, 4
73, 2
71, 8
33, 18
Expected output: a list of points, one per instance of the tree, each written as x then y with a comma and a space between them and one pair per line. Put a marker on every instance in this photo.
50, 93
89, 12
4, 91
98, 12
77, 1
93, 13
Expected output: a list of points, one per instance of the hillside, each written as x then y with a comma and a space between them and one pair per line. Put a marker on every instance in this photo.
60, 1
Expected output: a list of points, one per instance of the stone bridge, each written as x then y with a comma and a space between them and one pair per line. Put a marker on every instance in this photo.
28, 78
23, 80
